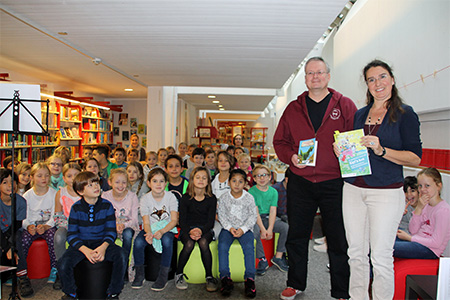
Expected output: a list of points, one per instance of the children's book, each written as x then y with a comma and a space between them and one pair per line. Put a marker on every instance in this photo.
63, 133
307, 152
354, 158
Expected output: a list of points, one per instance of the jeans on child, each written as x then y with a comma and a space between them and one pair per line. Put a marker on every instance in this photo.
248, 248
72, 257
407, 249
139, 249
127, 240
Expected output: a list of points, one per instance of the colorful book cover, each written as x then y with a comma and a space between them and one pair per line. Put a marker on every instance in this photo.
354, 158
307, 152
63, 133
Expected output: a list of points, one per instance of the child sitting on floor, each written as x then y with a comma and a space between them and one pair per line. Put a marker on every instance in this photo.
91, 235
237, 214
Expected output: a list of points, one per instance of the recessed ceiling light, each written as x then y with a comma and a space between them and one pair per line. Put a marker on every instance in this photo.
220, 105
212, 97
221, 108
216, 101
128, 90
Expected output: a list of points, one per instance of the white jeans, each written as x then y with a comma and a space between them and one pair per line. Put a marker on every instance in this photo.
371, 219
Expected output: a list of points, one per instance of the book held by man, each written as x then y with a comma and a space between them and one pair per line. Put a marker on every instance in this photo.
307, 152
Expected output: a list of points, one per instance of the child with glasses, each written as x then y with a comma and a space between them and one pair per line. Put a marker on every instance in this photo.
55, 164
267, 222
91, 235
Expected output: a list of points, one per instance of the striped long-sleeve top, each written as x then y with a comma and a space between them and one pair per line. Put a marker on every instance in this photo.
91, 224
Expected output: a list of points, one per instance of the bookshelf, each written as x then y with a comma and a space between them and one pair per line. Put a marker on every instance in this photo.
97, 126
228, 129
70, 129
258, 141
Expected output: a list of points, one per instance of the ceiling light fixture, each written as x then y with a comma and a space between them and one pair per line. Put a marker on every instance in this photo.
263, 115
75, 101
221, 108
212, 97
220, 105
270, 106
216, 101
128, 90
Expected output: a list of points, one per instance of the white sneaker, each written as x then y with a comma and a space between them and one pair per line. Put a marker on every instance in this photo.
320, 248
320, 241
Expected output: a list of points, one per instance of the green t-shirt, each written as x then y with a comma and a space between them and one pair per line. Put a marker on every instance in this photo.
264, 200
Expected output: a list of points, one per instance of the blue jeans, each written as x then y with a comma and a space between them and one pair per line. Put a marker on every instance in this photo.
127, 240
139, 249
407, 249
248, 247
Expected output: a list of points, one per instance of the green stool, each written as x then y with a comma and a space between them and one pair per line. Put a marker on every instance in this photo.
194, 270
236, 262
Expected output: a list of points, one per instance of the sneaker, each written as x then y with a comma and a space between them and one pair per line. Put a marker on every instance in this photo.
289, 293
263, 265
113, 296
162, 279
52, 277
139, 278
211, 284
281, 264
25, 287
250, 289
320, 241
57, 285
320, 248
227, 286
180, 283
68, 297
158, 286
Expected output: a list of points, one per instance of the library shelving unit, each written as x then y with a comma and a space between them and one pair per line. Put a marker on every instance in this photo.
228, 129
96, 126
70, 128
258, 141
206, 135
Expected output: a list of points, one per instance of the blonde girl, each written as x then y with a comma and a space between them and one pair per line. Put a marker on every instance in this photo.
55, 164
136, 179
152, 159
40, 210
159, 209
64, 153
126, 205
430, 224
244, 163
197, 211
23, 170
162, 156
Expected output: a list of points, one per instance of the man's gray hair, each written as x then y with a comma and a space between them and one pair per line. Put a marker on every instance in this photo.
318, 58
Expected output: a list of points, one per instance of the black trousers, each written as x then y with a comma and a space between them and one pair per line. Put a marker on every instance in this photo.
303, 199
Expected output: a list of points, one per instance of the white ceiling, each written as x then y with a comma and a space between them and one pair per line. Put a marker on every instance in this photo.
203, 43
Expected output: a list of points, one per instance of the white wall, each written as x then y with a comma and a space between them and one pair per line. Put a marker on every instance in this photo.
134, 109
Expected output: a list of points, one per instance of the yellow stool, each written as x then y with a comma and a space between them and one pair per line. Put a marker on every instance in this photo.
194, 270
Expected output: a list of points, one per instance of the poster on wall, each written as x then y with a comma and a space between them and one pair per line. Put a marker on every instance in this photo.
133, 131
116, 131
144, 142
142, 129
125, 135
123, 119
133, 122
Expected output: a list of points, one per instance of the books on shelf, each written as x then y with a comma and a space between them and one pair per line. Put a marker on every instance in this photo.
307, 152
6, 140
354, 158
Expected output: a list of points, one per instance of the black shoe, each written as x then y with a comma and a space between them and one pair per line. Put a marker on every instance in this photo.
227, 286
68, 297
114, 296
25, 288
57, 285
250, 289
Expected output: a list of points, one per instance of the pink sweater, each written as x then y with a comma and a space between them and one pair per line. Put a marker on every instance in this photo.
126, 209
432, 227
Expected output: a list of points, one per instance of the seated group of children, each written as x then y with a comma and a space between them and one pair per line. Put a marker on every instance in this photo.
91, 207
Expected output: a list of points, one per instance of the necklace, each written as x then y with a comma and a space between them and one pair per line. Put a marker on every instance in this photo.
376, 123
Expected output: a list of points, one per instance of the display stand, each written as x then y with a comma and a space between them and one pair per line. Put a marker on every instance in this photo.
18, 105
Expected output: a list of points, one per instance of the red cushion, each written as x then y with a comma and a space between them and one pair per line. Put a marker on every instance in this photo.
403, 267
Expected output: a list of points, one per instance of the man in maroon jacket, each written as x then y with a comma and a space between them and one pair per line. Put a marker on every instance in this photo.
317, 113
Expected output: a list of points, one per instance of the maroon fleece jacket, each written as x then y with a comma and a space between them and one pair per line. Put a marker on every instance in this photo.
295, 126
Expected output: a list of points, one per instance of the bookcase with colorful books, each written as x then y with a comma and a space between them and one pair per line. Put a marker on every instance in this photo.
96, 126
70, 128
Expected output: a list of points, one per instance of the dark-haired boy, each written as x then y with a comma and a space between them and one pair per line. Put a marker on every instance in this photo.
198, 158
101, 154
120, 155
177, 184
91, 234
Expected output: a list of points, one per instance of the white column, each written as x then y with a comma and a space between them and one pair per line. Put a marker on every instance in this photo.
161, 117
